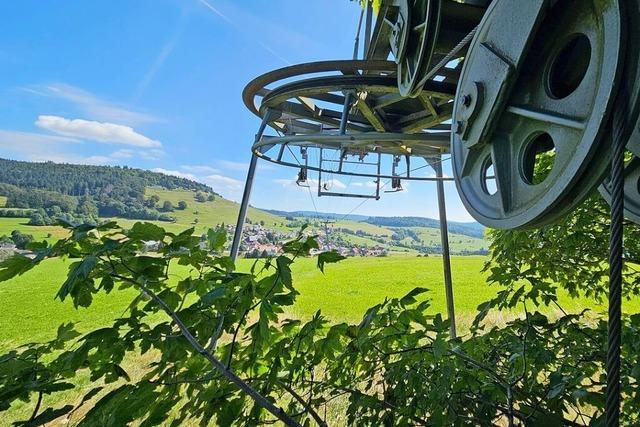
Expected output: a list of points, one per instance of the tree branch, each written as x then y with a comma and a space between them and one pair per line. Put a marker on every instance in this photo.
230, 375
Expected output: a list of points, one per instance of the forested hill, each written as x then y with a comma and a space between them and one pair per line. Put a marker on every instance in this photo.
472, 229
86, 180
82, 193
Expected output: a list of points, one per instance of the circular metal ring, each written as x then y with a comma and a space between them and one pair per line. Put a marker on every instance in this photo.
398, 18
553, 120
258, 86
415, 145
423, 30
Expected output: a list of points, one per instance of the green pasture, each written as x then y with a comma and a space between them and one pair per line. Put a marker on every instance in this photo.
343, 293
208, 214
7, 225
30, 313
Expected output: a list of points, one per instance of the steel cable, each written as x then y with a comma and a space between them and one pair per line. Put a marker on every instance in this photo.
612, 405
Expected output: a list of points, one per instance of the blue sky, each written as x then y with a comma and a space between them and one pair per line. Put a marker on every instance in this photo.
157, 84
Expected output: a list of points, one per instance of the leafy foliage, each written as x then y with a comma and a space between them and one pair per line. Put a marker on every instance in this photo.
571, 255
219, 349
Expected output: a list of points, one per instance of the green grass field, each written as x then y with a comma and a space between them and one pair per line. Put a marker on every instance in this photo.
7, 225
208, 214
343, 293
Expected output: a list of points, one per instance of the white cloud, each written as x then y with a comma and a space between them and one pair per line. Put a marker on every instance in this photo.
222, 182
11, 139
71, 158
234, 166
153, 154
91, 105
368, 184
96, 131
43, 147
200, 169
176, 173
123, 154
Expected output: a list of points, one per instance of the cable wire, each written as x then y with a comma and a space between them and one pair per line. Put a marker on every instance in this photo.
613, 400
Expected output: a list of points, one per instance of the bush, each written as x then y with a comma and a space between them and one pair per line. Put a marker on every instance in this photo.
20, 239
167, 206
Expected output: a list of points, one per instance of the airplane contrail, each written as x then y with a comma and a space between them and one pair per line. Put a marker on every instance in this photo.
209, 6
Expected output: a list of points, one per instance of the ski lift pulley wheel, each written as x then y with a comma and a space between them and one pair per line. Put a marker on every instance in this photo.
630, 105
531, 109
421, 32
398, 18
431, 29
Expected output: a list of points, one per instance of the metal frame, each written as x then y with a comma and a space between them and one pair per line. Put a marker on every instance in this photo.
421, 130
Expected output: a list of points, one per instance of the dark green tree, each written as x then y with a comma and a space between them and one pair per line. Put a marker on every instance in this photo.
20, 239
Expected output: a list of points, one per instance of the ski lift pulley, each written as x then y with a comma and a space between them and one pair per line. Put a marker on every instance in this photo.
532, 106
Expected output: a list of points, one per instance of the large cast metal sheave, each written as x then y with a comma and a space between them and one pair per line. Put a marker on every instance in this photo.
521, 93
535, 107
534, 103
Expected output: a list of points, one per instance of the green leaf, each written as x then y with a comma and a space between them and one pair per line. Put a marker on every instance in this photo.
328, 258
210, 298
67, 332
107, 283
440, 347
146, 231
410, 298
284, 270
15, 266
78, 273
216, 239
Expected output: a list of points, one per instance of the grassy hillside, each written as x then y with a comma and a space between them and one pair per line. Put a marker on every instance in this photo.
457, 242
203, 215
208, 214
343, 293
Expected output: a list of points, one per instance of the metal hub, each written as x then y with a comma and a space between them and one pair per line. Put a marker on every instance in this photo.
532, 105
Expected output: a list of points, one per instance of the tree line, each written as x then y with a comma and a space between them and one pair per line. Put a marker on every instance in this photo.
83, 193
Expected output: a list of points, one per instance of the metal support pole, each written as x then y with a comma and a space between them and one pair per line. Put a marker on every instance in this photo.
246, 195
436, 164
347, 97
367, 29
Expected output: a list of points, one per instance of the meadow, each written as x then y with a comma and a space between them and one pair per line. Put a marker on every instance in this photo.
30, 313
343, 293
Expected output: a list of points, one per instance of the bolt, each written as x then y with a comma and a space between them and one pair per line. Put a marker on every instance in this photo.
465, 100
458, 127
